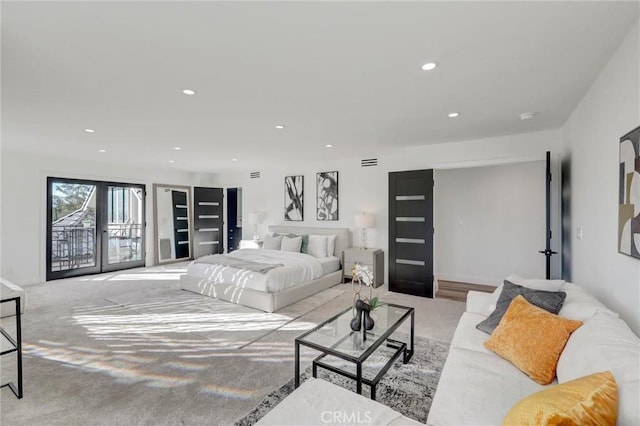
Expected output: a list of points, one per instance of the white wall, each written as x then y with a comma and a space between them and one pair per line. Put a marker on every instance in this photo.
490, 222
23, 205
610, 109
366, 188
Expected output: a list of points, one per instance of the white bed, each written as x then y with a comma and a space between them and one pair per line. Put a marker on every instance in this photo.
301, 276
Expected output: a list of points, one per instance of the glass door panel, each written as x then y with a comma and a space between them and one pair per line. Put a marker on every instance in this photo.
125, 216
72, 228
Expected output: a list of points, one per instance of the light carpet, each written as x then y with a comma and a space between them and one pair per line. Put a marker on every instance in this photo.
115, 349
179, 311
406, 388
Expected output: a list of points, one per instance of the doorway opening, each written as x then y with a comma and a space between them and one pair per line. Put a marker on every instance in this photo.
234, 218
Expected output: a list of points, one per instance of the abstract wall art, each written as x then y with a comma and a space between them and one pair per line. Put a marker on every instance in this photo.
327, 196
294, 198
629, 194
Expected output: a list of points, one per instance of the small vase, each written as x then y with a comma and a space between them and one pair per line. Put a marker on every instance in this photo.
368, 320
362, 309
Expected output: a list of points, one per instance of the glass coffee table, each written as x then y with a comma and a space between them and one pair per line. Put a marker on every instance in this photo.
334, 338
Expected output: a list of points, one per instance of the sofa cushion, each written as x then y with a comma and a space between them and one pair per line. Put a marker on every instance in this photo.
606, 343
467, 336
477, 389
548, 300
536, 283
580, 305
532, 339
480, 303
589, 400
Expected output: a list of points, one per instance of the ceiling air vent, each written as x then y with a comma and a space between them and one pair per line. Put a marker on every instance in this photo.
369, 162
254, 175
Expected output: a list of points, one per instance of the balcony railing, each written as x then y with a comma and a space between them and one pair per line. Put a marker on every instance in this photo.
72, 247
75, 246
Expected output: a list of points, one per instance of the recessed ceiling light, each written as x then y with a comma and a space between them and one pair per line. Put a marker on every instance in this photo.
89, 130
329, 145
102, 150
177, 148
453, 114
189, 92
527, 115
279, 126
171, 161
234, 159
429, 66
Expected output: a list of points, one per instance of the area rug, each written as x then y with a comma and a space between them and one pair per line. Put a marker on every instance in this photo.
406, 388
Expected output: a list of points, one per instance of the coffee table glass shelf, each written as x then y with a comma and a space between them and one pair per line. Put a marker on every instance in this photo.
335, 339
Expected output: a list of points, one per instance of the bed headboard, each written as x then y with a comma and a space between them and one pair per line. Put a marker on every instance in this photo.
343, 236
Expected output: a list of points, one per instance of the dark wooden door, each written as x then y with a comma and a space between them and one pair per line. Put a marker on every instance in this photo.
411, 232
207, 221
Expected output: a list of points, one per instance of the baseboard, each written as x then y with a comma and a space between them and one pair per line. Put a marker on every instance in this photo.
469, 279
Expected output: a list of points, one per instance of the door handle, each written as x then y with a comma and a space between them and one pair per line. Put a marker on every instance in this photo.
548, 252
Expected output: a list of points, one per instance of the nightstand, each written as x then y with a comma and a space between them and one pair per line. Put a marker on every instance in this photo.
250, 244
371, 257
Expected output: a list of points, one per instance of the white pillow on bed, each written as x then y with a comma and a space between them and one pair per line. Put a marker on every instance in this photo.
331, 244
317, 245
272, 243
291, 244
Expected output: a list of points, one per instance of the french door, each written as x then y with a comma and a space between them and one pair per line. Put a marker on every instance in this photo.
93, 227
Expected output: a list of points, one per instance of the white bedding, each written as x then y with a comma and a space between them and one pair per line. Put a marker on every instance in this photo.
298, 268
329, 264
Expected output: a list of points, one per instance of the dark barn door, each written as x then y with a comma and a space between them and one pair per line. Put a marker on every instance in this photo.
207, 221
411, 232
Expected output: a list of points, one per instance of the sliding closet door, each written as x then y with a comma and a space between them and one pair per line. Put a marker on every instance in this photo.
207, 221
411, 232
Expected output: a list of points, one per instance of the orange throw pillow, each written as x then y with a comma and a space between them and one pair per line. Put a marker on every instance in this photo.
589, 400
532, 339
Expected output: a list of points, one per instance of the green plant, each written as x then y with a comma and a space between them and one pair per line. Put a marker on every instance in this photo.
374, 303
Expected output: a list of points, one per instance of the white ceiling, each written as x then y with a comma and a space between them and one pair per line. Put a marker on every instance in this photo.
347, 74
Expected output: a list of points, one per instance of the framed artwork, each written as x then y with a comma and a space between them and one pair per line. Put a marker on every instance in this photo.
629, 194
327, 196
294, 198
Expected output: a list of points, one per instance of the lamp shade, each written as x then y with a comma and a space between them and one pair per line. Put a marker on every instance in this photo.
364, 220
256, 217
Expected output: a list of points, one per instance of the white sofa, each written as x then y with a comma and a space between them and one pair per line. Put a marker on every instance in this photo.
478, 387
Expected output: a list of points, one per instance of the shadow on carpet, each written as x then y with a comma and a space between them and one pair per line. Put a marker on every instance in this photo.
406, 388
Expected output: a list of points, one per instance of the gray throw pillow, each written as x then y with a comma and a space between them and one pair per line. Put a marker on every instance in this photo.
550, 301
305, 240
